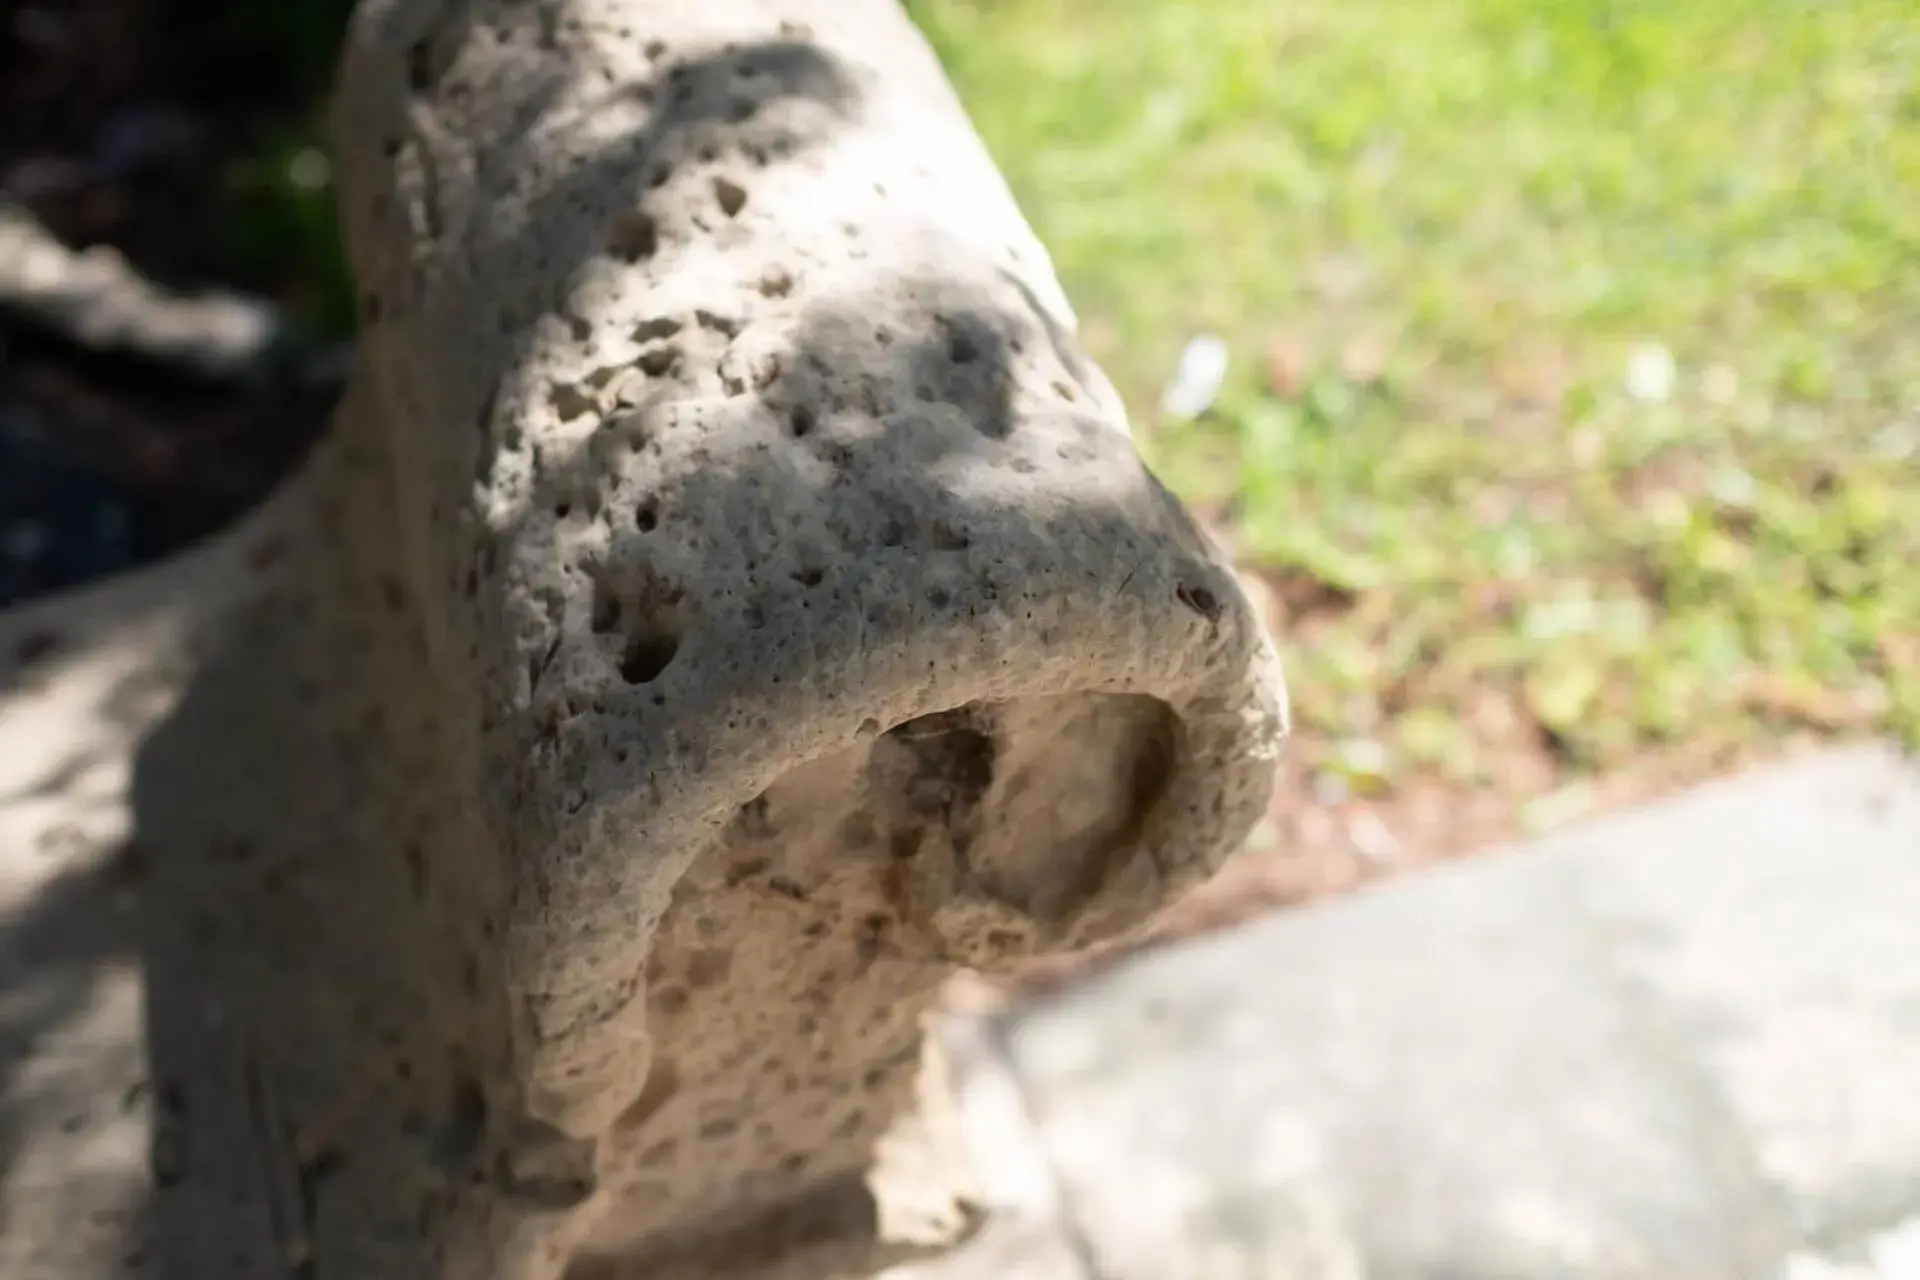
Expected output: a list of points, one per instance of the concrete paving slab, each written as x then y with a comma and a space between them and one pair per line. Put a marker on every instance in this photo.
1677, 1043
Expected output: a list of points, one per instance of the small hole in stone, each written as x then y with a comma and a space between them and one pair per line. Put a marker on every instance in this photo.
776, 282
658, 178
800, 419
742, 110
390, 148
659, 361
647, 655
656, 328
463, 1128
809, 577
634, 235
647, 518
962, 349
417, 881
606, 612
731, 196
1200, 600
561, 510
656, 50
419, 66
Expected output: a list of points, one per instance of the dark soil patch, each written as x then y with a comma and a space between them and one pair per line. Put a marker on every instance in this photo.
166, 129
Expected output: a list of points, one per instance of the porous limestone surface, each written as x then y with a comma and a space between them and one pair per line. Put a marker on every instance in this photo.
727, 602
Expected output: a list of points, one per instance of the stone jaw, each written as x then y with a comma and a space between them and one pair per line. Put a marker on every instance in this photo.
806, 622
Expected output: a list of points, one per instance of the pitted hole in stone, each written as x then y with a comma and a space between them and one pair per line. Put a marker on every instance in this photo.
800, 421
420, 65
658, 178
418, 879
643, 612
962, 349
1200, 600
453, 1146
647, 655
657, 362
605, 618
775, 282
944, 537
633, 235
741, 110
730, 196
811, 576
655, 50
657, 328
647, 518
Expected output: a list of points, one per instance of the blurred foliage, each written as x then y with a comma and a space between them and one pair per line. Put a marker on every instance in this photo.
1574, 342
276, 202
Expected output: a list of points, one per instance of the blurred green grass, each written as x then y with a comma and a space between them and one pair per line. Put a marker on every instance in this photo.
1577, 345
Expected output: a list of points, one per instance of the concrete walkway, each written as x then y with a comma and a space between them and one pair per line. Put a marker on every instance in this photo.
1680, 1043
1684, 1042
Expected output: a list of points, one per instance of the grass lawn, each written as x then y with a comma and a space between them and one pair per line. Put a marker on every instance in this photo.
1574, 416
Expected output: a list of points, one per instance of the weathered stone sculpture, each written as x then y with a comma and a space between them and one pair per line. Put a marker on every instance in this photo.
728, 602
